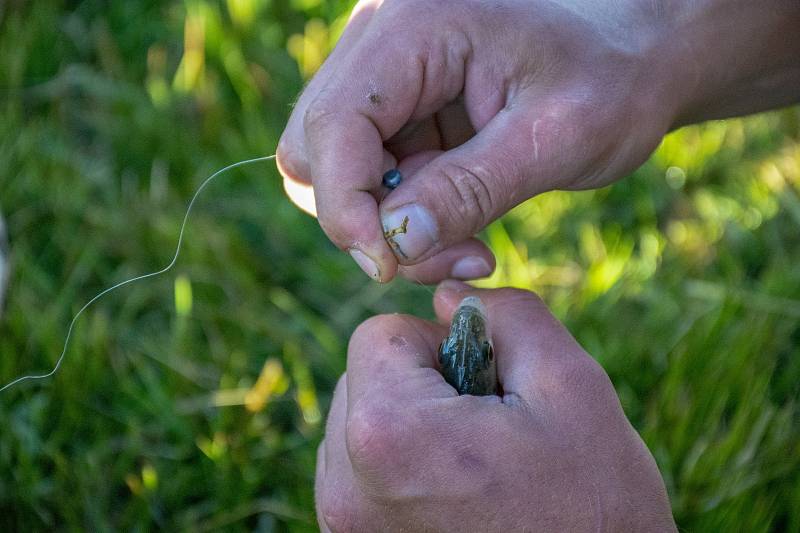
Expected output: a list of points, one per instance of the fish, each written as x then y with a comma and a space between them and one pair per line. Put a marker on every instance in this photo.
466, 355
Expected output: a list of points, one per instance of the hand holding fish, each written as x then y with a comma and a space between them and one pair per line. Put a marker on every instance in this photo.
403, 451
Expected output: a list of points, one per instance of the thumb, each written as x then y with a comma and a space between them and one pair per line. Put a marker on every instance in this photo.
461, 191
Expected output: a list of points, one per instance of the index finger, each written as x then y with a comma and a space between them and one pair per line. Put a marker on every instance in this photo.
378, 88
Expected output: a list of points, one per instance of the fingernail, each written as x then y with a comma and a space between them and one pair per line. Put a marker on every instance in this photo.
369, 266
410, 230
470, 268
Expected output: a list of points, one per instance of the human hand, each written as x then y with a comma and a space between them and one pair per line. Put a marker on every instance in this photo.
404, 452
562, 95
558, 94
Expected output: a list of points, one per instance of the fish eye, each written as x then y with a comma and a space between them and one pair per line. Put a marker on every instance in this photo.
488, 350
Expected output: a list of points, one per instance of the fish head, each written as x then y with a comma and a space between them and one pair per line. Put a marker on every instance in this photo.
466, 355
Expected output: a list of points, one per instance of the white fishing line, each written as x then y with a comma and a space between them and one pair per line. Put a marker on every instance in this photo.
137, 278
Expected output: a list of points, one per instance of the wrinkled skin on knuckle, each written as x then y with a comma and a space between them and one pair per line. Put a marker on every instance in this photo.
428, 36
442, 56
470, 201
318, 114
336, 508
377, 442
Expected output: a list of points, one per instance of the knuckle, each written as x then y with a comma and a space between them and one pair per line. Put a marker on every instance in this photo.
336, 509
318, 114
473, 202
374, 438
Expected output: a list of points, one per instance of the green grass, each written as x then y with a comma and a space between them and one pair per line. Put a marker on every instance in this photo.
196, 400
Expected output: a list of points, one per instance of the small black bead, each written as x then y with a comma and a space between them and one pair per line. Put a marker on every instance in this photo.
392, 178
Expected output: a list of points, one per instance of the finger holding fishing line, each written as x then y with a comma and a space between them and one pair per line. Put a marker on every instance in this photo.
301, 193
570, 111
378, 88
291, 155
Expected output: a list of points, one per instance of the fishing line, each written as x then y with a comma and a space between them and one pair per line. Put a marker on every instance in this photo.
390, 180
419, 283
137, 278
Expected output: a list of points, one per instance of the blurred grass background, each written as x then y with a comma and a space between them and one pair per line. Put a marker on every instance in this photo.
196, 400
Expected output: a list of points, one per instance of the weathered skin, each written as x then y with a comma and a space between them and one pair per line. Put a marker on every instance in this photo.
466, 356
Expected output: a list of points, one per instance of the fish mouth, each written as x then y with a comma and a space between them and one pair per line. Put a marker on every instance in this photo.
475, 303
